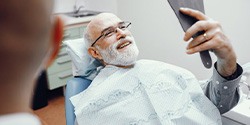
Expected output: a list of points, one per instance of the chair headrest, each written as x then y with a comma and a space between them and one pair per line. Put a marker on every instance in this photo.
82, 63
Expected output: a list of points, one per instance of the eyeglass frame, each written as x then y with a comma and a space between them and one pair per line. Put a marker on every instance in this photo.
102, 34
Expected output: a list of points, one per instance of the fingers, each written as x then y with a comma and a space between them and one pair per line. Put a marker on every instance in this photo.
214, 38
215, 41
201, 47
203, 24
195, 42
200, 39
210, 40
198, 26
193, 13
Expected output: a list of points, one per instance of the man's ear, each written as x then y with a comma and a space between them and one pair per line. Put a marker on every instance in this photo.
56, 39
94, 53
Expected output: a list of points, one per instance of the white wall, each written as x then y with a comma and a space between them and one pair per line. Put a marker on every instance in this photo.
102, 5
61, 6
97, 5
159, 35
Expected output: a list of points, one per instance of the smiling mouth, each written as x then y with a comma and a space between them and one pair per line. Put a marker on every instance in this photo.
123, 45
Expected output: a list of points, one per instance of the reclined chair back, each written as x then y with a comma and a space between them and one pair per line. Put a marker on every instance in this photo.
73, 87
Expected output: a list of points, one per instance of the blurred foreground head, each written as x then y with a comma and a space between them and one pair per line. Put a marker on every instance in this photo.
29, 41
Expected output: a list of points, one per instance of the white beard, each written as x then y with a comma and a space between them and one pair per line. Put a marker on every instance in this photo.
128, 57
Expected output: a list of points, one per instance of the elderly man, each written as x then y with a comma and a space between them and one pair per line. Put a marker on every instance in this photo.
29, 41
144, 92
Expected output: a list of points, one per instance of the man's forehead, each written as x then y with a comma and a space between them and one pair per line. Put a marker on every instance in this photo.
104, 20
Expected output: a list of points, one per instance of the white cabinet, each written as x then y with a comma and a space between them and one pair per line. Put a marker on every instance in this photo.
60, 71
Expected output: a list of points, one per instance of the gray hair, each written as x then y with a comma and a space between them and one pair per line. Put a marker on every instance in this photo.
87, 38
89, 41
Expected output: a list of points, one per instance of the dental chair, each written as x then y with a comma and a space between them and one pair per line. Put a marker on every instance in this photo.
84, 69
73, 87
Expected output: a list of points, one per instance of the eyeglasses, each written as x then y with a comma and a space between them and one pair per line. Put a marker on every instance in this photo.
110, 31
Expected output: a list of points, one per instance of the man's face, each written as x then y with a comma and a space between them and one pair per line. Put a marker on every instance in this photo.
117, 46
24, 37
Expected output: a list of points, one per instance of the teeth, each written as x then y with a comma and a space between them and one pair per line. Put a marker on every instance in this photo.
123, 45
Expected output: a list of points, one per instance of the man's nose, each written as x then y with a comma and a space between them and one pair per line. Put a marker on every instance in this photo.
120, 33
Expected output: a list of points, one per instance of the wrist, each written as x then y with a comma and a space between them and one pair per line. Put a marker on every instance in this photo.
234, 75
226, 68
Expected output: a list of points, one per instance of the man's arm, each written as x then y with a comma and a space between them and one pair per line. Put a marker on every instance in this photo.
222, 88
223, 91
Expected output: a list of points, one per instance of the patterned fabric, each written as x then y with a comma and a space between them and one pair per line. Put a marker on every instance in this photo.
150, 93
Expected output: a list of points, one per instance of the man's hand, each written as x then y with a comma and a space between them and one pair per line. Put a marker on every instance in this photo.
213, 39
